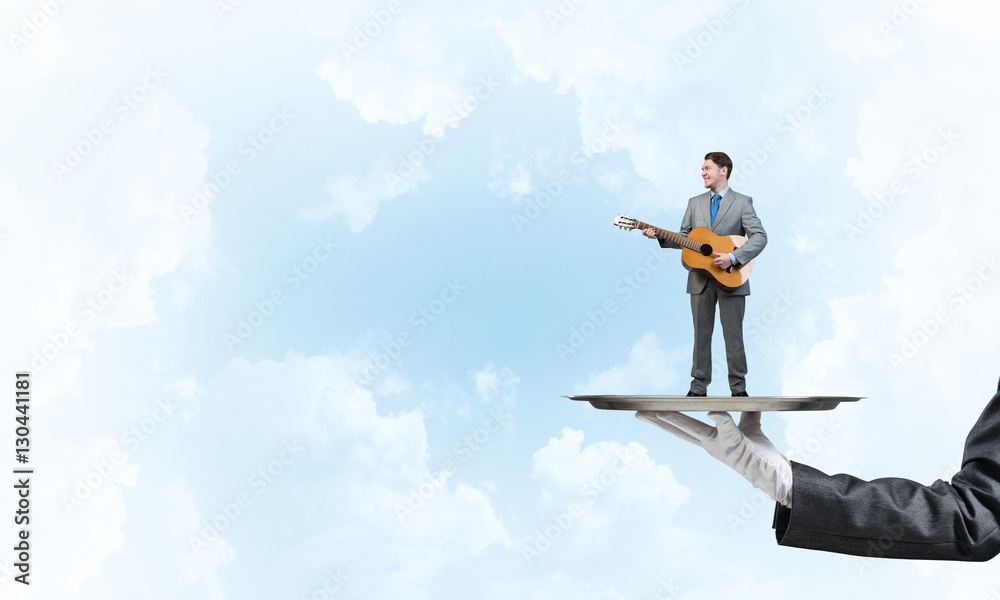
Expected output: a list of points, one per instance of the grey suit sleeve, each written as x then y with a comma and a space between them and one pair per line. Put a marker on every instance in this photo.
899, 518
687, 224
755, 234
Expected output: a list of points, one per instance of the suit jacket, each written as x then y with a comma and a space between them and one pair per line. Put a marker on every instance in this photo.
736, 216
899, 518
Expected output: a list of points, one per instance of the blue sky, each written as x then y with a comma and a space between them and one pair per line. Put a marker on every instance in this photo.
404, 239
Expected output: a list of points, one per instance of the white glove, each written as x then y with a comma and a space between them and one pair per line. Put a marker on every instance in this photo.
745, 448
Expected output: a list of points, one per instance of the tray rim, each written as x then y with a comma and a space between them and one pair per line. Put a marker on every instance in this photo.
714, 403
589, 397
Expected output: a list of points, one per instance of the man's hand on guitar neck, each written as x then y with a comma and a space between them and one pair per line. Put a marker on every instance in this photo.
650, 233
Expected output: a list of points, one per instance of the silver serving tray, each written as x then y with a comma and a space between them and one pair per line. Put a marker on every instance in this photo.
711, 403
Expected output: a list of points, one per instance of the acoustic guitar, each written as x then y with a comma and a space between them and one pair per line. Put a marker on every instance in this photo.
697, 251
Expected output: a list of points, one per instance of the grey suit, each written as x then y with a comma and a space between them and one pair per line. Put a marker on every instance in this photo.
899, 518
736, 216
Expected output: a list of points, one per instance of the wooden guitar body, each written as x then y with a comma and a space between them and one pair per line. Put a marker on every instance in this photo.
697, 250
693, 260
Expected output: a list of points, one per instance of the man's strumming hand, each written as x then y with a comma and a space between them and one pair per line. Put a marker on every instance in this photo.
722, 260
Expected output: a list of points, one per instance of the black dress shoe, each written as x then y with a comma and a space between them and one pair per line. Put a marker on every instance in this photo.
694, 395
741, 395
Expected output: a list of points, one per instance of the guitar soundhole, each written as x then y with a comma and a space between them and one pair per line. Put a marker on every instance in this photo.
705, 250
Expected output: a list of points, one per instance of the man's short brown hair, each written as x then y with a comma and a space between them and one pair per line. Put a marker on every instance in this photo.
721, 159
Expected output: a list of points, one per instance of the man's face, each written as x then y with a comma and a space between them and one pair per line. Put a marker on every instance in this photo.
713, 174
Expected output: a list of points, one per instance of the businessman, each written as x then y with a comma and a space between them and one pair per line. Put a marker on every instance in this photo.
891, 517
724, 212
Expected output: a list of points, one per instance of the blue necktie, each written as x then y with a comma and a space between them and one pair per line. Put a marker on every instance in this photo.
715, 206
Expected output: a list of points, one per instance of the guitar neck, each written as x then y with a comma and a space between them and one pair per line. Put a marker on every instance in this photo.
670, 235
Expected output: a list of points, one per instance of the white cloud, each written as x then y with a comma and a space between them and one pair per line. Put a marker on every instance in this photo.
406, 72
509, 181
95, 268
397, 73
391, 498
497, 387
63, 243
180, 522
649, 369
85, 252
81, 503
915, 340
599, 497
357, 198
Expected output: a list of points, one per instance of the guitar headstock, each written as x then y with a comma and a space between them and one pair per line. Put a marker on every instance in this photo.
627, 223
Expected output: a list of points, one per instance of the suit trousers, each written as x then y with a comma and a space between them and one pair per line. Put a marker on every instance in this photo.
731, 310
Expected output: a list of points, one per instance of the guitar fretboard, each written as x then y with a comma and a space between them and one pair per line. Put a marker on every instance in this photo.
670, 235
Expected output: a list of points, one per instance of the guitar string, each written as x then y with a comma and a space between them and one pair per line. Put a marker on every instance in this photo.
673, 237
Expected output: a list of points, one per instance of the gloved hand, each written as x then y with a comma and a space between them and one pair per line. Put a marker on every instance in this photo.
745, 448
